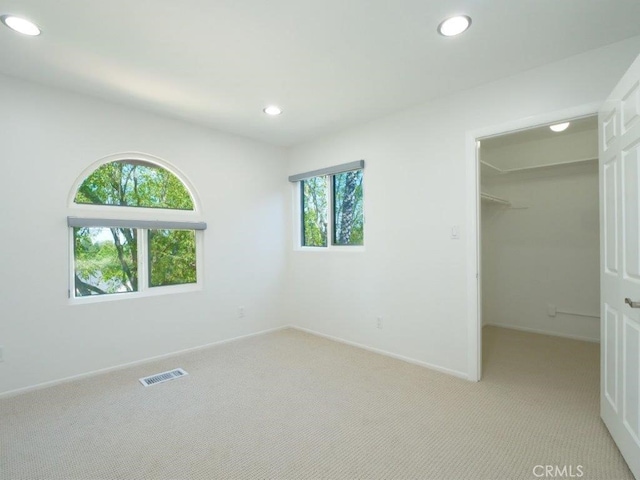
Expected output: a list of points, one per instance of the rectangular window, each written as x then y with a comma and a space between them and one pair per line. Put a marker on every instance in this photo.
331, 206
115, 260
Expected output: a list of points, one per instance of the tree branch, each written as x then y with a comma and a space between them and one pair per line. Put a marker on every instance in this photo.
130, 280
83, 288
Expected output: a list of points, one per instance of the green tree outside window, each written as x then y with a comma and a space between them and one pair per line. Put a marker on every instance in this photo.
106, 260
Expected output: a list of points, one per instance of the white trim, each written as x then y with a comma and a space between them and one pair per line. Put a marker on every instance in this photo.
331, 248
52, 383
543, 332
413, 361
474, 350
143, 292
474, 310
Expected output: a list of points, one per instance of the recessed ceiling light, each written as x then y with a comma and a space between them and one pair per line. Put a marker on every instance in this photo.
21, 25
272, 110
560, 127
454, 26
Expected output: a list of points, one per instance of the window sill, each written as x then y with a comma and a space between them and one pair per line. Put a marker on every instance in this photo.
332, 248
151, 292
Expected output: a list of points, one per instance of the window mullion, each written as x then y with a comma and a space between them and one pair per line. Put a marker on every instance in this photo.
143, 259
301, 203
331, 213
71, 292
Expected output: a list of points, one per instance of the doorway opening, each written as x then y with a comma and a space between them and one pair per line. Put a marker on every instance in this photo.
538, 235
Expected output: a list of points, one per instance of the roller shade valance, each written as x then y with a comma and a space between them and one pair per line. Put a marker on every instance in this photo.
150, 224
345, 167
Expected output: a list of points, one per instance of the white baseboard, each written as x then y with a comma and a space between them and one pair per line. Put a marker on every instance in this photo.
93, 373
420, 363
543, 332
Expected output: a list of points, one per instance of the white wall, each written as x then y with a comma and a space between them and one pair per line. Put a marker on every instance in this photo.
546, 251
411, 272
48, 138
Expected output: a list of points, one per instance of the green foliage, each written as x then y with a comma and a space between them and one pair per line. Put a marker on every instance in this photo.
172, 257
106, 259
134, 184
104, 264
314, 208
348, 214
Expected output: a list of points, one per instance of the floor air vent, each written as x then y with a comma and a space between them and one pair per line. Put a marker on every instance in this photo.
163, 377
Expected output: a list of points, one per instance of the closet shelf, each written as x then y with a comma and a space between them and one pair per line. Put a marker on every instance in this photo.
491, 198
501, 171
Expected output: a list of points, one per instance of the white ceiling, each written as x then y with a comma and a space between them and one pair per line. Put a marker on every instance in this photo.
329, 64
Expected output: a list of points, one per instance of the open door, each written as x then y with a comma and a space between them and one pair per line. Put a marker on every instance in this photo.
619, 149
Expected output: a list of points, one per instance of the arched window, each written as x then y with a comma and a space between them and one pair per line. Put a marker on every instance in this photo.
137, 232
134, 183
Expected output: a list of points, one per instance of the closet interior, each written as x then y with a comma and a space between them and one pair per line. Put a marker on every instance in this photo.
540, 254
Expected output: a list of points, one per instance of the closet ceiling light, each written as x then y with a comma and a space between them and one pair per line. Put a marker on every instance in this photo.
21, 25
272, 110
560, 127
454, 26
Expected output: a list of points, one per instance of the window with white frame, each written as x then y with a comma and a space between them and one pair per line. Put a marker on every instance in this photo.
135, 233
331, 206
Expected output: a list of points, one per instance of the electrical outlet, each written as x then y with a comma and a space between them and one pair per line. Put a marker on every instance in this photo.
379, 322
551, 310
1, 353
241, 312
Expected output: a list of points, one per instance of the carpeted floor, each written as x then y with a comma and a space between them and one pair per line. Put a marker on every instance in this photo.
289, 405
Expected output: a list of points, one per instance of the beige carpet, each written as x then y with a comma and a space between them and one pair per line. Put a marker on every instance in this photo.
289, 405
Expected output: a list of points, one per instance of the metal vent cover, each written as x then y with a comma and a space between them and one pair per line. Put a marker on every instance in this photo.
163, 377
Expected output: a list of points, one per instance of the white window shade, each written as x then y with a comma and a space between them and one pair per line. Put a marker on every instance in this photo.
345, 167
148, 224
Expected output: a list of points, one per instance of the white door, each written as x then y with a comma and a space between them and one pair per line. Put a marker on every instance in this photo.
619, 139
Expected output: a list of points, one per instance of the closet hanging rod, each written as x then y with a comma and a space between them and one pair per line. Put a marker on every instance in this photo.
565, 312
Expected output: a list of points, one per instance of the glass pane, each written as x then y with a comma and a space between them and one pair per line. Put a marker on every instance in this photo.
172, 257
348, 216
314, 212
134, 184
105, 260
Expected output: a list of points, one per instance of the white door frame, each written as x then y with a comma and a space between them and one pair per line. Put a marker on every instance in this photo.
474, 308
